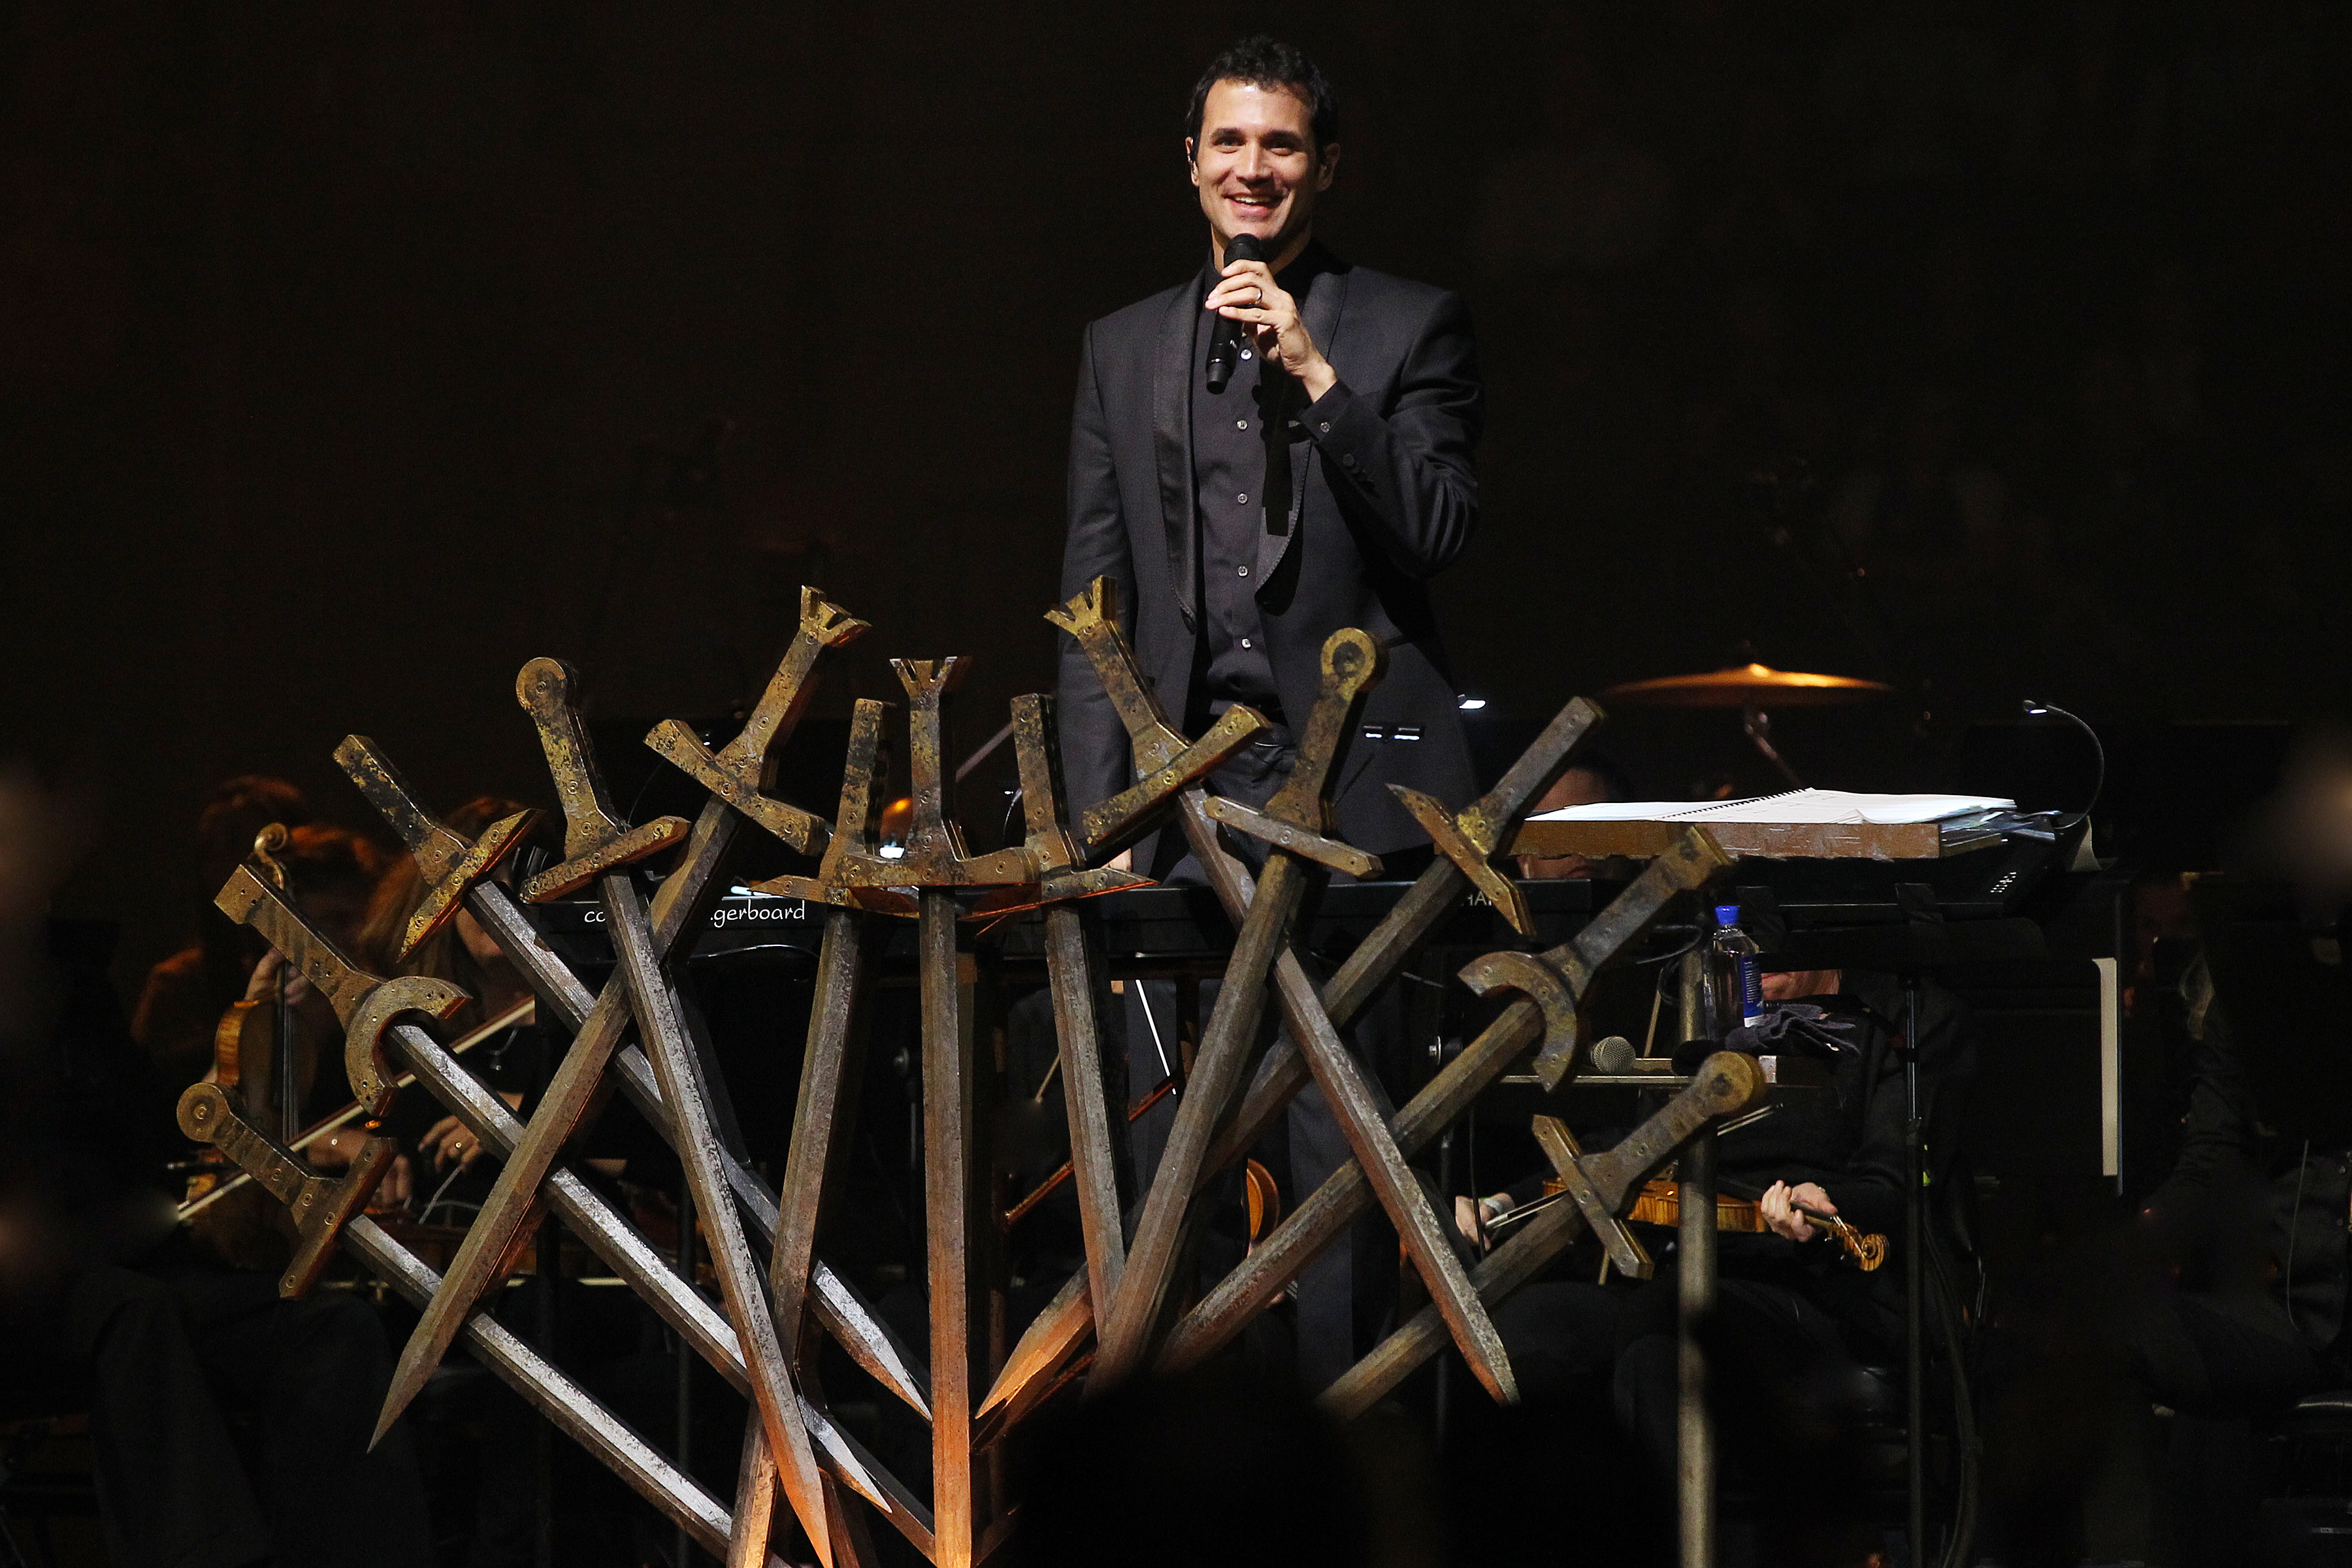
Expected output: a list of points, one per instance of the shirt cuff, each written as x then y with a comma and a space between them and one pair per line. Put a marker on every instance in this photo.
1348, 430
1329, 418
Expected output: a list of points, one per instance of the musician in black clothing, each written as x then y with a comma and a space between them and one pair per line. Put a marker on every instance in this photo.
2251, 1312
1794, 1316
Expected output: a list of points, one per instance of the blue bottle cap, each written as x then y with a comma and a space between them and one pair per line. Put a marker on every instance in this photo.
1726, 914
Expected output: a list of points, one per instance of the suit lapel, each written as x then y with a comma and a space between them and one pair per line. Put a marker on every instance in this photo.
1171, 440
1324, 310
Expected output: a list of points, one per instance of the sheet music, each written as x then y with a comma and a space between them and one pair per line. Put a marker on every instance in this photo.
1796, 806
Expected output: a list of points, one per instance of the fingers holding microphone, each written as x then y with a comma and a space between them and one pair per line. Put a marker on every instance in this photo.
1247, 293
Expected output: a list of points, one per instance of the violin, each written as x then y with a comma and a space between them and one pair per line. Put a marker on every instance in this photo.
1660, 1203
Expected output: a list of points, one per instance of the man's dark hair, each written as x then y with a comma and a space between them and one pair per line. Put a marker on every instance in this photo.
1265, 62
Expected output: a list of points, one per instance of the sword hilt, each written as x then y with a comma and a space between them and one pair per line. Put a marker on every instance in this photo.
249, 900
1487, 820
927, 683
1037, 756
321, 1206
1726, 1084
1092, 618
822, 625
740, 772
594, 841
448, 865
1353, 663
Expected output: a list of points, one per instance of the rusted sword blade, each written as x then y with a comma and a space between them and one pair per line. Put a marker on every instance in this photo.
1311, 1225
821, 1122
846, 1316
1352, 664
570, 1407
651, 1274
570, 1094
952, 1197
1724, 1084
702, 1155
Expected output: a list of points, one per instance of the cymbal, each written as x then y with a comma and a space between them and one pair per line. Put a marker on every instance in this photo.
1748, 686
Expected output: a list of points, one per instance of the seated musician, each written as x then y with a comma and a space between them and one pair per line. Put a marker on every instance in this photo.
2240, 1309
181, 1003
1794, 1313
1592, 780
173, 1343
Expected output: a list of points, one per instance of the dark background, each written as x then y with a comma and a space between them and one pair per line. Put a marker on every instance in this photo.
350, 356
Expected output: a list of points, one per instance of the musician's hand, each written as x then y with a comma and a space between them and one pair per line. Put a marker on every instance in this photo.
338, 1149
262, 984
1779, 1208
1471, 1215
1248, 294
398, 1186
450, 1141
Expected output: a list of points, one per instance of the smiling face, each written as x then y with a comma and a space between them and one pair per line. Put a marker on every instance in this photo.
1258, 167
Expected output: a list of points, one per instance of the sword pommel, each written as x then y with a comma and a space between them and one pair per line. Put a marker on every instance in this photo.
1353, 663
594, 841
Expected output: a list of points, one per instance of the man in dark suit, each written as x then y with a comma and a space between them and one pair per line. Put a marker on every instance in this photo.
1323, 486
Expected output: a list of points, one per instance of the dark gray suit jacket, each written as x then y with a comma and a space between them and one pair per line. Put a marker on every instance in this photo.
1382, 497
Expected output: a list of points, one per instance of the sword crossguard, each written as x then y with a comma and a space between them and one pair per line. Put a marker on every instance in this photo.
1354, 662
1554, 995
1453, 840
322, 1206
367, 1004
1057, 870
594, 840
740, 772
1092, 618
1726, 1084
1625, 1249
449, 865
854, 826
1299, 840
1111, 825
1471, 840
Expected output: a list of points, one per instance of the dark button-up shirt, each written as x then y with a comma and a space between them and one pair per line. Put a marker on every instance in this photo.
1241, 478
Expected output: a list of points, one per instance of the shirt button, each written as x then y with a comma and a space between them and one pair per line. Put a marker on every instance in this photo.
1245, 642
1240, 501
1325, 427
1240, 423
1242, 570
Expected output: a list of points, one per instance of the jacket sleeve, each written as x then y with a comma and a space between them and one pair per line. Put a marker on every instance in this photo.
1405, 478
1096, 761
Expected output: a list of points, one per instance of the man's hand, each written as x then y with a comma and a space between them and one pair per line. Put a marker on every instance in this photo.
261, 985
1781, 1214
1250, 295
1473, 1215
338, 1149
449, 1142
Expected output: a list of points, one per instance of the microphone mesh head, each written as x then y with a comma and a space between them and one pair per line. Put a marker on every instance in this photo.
1245, 247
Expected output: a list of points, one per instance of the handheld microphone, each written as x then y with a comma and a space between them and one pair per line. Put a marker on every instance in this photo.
1225, 342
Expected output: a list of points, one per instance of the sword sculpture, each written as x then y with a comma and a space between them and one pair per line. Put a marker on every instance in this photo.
758, 1337
483, 1258
1092, 619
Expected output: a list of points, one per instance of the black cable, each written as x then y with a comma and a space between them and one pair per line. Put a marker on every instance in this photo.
2035, 708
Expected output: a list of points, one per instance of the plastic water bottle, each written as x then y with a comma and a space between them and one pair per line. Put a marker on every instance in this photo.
1735, 961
